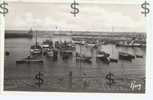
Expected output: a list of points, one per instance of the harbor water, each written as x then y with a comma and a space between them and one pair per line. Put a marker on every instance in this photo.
18, 77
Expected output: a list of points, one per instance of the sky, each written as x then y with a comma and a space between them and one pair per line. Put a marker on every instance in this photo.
94, 15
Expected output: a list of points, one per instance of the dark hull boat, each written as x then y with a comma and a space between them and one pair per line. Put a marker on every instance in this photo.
68, 52
29, 60
113, 60
103, 57
139, 56
106, 60
126, 56
83, 59
66, 55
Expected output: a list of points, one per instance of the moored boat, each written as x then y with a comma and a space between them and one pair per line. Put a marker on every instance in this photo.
83, 58
139, 56
35, 49
103, 56
126, 56
113, 60
28, 61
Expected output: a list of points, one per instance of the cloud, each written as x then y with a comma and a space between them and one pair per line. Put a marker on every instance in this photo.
100, 17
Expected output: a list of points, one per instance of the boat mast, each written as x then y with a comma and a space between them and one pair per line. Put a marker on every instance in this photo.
112, 45
36, 38
80, 63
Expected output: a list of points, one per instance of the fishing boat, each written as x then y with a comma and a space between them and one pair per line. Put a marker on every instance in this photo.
47, 44
90, 44
67, 50
103, 56
28, 61
126, 56
36, 48
128, 45
113, 60
79, 42
139, 56
132, 43
83, 58
105, 59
